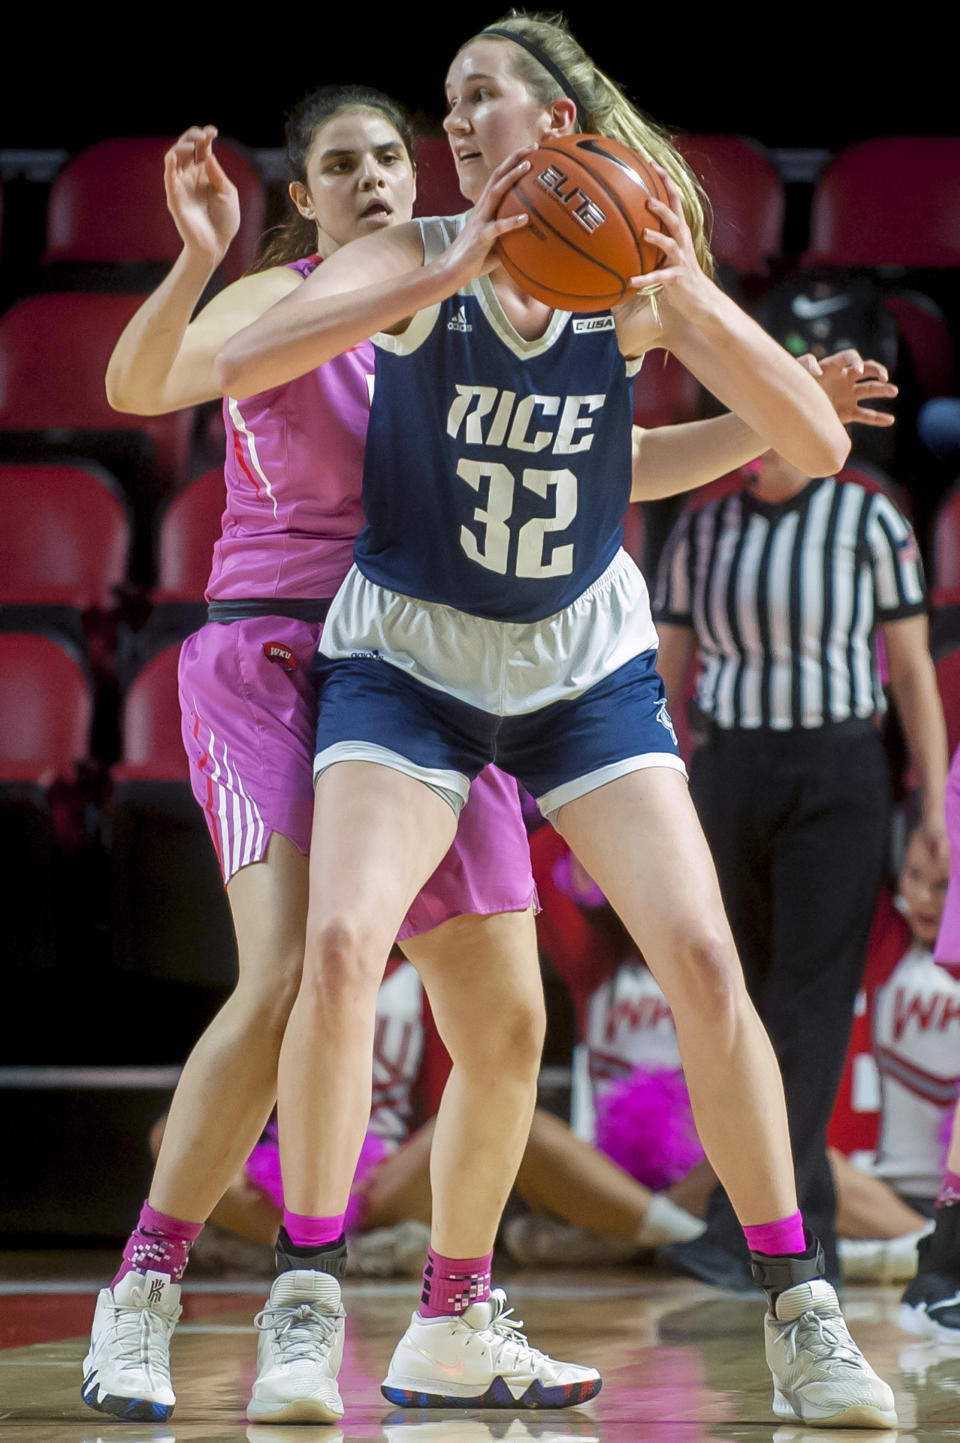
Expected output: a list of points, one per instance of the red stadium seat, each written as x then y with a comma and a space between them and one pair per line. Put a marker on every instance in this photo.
188, 529
54, 351
925, 335
45, 709
64, 536
107, 206
150, 724
746, 195
65, 539
170, 919
664, 392
45, 717
438, 191
889, 202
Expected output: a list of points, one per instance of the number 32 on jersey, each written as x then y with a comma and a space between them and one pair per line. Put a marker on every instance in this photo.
492, 548
488, 417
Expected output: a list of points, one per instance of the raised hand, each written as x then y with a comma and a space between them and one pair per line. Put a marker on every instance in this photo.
680, 280
849, 381
200, 197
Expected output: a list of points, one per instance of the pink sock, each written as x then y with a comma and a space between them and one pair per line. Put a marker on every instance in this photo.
949, 1193
158, 1244
785, 1236
450, 1285
310, 1232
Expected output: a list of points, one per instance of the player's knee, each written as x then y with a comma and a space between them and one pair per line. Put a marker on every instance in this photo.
341, 962
271, 1005
269, 979
709, 976
513, 1048
525, 1034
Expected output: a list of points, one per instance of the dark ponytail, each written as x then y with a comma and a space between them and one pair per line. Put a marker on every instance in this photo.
296, 237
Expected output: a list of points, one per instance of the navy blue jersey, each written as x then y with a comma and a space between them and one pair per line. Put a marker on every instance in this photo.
497, 470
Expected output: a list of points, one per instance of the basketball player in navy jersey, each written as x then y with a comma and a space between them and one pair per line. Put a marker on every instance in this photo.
490, 612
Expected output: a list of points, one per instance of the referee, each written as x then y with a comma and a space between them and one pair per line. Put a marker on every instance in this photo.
782, 588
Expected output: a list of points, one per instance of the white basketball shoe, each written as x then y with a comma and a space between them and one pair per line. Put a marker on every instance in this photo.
127, 1370
880, 1260
480, 1358
300, 1351
820, 1376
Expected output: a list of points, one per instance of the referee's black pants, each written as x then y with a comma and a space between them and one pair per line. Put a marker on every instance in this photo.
798, 823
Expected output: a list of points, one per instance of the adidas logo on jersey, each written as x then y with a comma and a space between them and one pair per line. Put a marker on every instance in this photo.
593, 323
459, 322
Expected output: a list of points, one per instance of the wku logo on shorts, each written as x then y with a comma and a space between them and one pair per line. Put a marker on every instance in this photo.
282, 655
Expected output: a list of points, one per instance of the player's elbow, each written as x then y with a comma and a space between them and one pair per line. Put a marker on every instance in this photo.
229, 370
121, 397
828, 451
119, 394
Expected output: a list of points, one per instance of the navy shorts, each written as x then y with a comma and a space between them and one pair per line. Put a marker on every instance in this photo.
372, 711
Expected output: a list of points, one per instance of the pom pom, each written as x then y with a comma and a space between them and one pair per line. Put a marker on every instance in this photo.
263, 1170
645, 1124
373, 1151
576, 884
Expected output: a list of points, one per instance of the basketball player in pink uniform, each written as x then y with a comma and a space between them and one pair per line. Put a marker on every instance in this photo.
293, 473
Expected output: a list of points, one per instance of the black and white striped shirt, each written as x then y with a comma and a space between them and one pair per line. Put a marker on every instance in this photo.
784, 600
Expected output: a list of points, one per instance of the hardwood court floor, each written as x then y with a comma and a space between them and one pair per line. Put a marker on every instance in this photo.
681, 1363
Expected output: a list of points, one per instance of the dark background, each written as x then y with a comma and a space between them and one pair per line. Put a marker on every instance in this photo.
787, 76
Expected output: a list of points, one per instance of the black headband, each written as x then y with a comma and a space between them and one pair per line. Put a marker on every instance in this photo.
542, 59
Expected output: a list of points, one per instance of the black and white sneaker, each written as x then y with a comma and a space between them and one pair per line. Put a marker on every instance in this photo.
930, 1306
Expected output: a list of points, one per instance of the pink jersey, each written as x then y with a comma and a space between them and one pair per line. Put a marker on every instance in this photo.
293, 482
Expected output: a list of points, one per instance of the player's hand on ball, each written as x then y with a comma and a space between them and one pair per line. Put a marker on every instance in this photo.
849, 381
473, 252
201, 198
679, 281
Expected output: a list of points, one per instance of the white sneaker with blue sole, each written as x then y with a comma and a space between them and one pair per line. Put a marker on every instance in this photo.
481, 1359
126, 1372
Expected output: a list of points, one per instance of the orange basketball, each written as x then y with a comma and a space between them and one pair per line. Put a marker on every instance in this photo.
586, 197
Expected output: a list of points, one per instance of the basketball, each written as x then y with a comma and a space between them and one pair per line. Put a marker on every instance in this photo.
586, 197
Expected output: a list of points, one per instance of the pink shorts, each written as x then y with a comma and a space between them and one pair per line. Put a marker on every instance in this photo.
249, 713
947, 948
